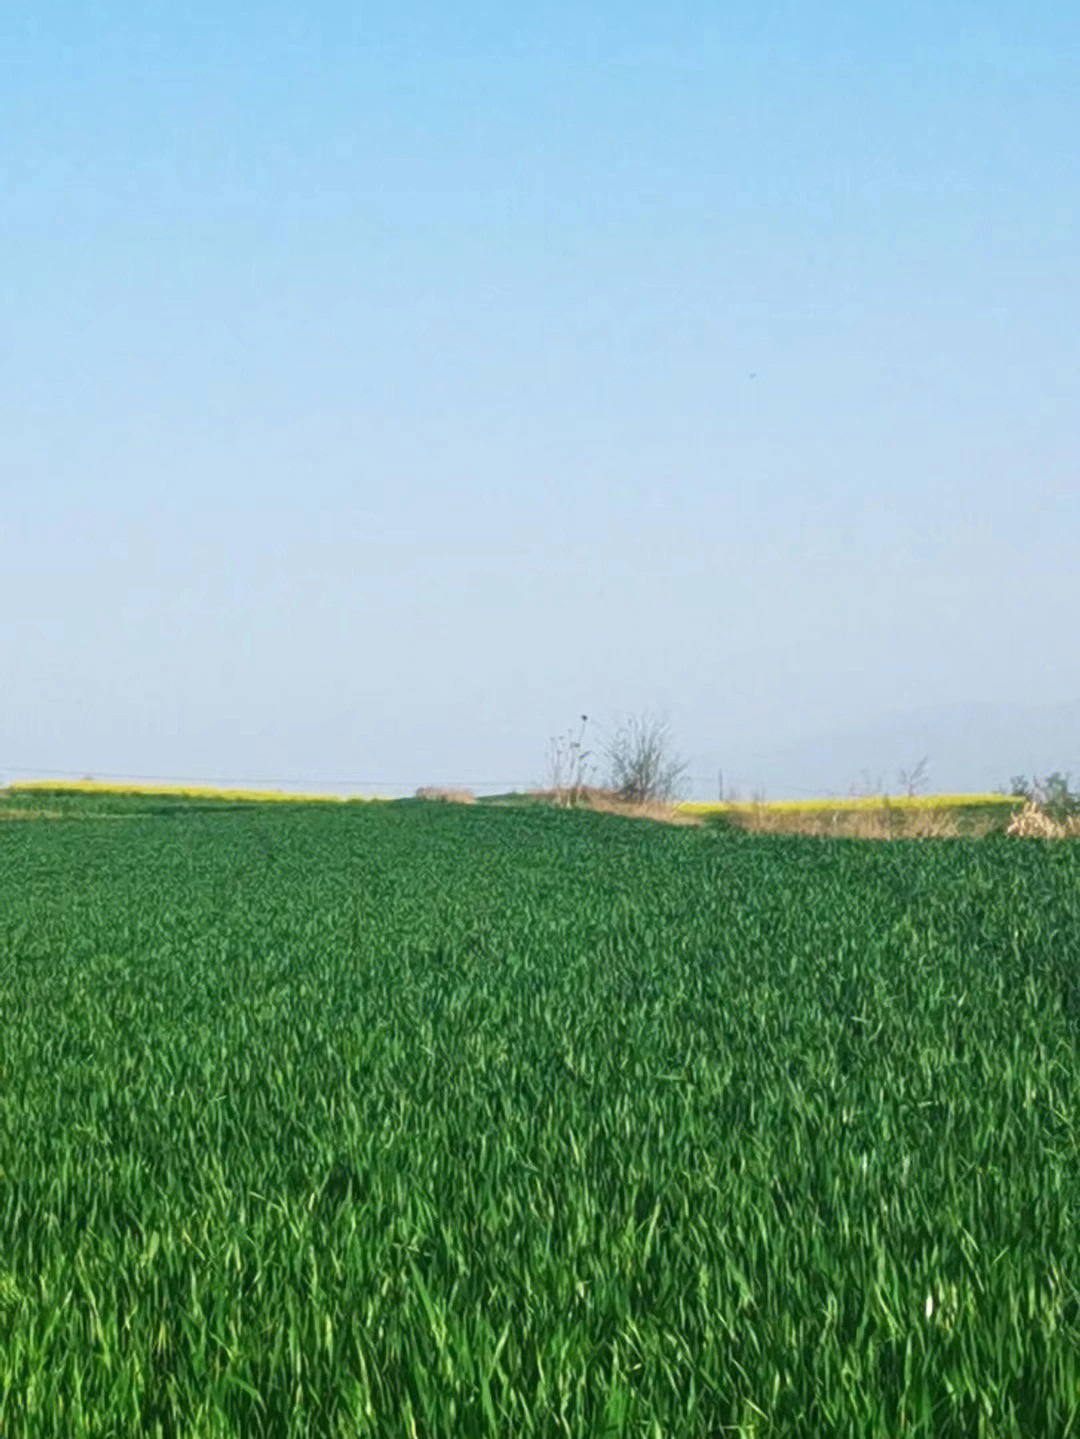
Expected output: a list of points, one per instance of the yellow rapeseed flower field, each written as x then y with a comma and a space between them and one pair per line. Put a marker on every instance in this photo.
177, 791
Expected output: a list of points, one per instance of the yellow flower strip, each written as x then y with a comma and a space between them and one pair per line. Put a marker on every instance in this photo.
850, 804
175, 791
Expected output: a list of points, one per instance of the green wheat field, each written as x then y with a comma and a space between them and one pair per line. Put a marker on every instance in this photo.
414, 1120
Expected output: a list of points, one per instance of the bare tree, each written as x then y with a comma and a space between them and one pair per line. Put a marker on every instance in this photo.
642, 765
567, 767
866, 786
912, 780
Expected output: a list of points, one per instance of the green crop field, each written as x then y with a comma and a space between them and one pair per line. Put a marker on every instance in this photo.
410, 1119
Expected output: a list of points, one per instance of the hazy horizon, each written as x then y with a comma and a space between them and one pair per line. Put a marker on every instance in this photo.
948, 747
383, 389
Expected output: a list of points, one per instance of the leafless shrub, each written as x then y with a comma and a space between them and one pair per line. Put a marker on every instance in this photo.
643, 767
912, 780
446, 796
1053, 798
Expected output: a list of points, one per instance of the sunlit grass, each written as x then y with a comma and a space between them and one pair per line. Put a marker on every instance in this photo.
454, 1120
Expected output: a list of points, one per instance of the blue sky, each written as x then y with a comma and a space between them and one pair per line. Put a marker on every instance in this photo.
383, 387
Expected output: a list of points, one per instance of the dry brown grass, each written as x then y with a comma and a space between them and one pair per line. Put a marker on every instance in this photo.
1032, 822
606, 801
446, 796
880, 822
932, 824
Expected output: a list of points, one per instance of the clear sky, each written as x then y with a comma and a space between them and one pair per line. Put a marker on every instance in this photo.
383, 386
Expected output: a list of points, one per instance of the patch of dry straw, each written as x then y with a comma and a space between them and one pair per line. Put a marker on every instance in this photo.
607, 801
1032, 822
446, 796
882, 822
